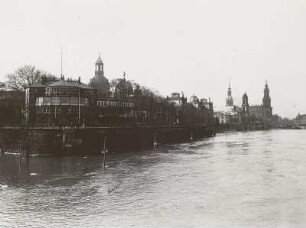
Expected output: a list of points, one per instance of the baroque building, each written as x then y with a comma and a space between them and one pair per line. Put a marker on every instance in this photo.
257, 116
263, 111
196, 111
176, 99
228, 115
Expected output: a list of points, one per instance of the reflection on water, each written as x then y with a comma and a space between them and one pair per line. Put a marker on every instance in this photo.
254, 179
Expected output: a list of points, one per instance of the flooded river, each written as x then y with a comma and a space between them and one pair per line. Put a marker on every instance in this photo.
251, 179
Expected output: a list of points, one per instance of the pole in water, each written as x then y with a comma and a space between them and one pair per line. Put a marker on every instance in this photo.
104, 151
155, 140
84, 171
20, 152
191, 135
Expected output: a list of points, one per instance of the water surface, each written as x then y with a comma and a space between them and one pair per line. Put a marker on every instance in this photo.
253, 179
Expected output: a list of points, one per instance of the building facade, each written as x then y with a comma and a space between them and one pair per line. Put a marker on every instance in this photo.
228, 116
31, 93
257, 116
196, 111
176, 99
301, 119
11, 106
60, 102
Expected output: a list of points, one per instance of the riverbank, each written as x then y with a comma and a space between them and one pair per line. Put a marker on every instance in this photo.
90, 140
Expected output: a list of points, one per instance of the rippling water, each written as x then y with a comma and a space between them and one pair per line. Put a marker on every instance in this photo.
253, 179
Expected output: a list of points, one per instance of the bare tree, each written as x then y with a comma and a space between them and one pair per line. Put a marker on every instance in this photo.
23, 77
113, 85
2, 85
121, 88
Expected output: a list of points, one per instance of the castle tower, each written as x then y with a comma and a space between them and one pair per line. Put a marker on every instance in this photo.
229, 99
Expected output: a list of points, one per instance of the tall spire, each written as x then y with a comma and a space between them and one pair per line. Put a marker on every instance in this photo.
124, 74
266, 90
266, 101
229, 91
229, 99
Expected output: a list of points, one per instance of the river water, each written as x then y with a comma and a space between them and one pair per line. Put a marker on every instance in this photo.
251, 179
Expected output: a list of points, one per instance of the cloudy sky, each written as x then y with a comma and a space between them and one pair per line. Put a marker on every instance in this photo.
194, 46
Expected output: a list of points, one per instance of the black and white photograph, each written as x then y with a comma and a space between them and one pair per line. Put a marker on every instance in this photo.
153, 113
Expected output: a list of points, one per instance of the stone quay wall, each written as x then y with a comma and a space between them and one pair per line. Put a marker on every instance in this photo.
87, 140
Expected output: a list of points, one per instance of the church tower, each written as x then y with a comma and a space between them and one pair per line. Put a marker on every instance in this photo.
244, 117
99, 82
266, 101
245, 103
229, 99
99, 72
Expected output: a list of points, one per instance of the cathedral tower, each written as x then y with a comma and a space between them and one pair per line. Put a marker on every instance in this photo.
266, 101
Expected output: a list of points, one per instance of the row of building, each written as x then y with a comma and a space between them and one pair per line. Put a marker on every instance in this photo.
248, 116
60, 101
300, 120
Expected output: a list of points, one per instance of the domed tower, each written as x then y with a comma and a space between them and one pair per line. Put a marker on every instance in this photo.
99, 72
229, 99
245, 103
99, 82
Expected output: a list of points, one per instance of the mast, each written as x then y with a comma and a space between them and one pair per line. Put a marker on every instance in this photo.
79, 102
61, 61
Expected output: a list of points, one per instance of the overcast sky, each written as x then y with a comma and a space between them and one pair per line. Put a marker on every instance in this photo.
194, 46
